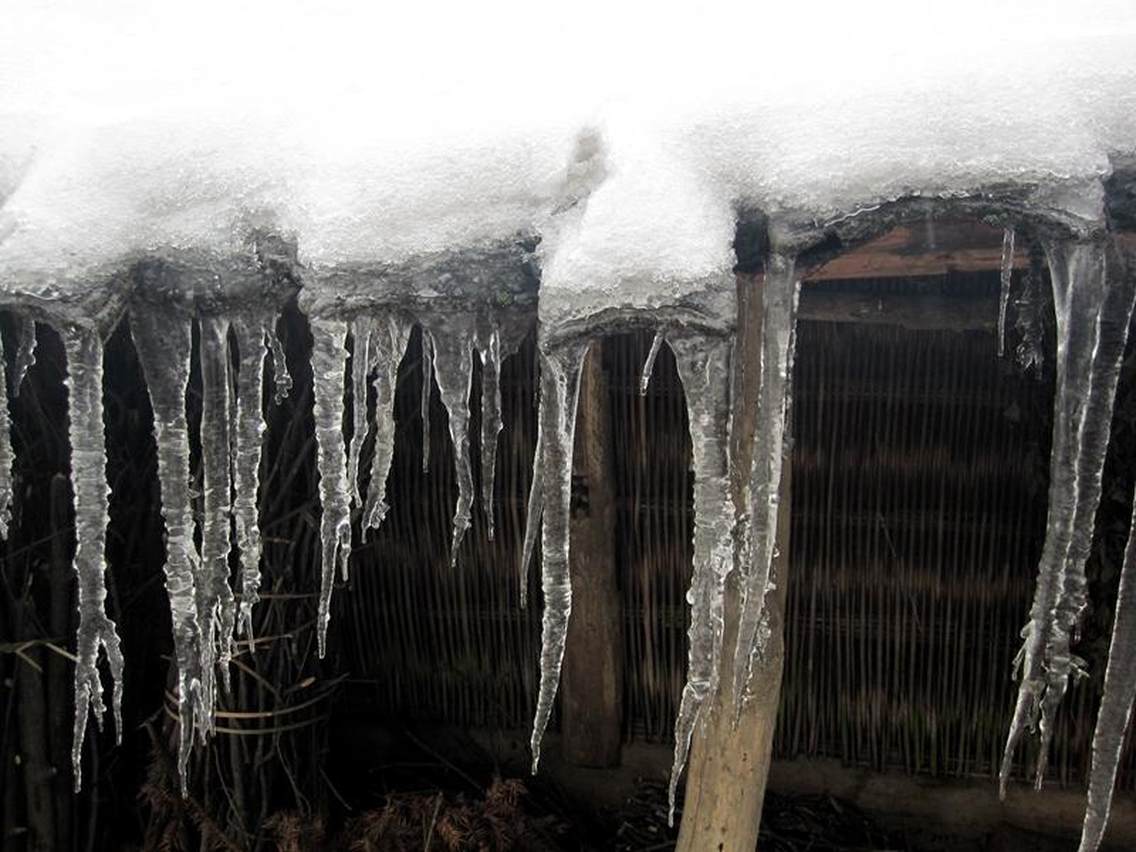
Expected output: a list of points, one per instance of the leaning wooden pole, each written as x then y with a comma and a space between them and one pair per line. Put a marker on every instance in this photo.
592, 689
729, 763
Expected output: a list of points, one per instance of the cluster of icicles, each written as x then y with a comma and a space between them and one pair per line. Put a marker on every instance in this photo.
1094, 289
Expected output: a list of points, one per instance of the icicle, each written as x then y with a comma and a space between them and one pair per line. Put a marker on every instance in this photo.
1029, 305
164, 347
703, 366
560, 387
25, 355
1006, 278
427, 373
649, 364
535, 509
1093, 309
89, 486
759, 532
1116, 702
490, 421
7, 455
281, 380
216, 603
248, 442
389, 341
360, 368
453, 368
329, 362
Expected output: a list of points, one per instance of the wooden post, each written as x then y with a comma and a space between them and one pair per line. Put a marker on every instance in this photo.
729, 764
592, 676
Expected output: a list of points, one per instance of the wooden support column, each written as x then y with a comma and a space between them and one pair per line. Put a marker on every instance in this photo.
729, 764
592, 676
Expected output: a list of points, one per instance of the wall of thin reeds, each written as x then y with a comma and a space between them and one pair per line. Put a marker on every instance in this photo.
920, 475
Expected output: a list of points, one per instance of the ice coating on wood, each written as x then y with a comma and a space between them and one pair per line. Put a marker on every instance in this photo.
216, 602
248, 441
1093, 303
559, 394
329, 365
389, 338
704, 367
452, 343
1005, 279
164, 346
780, 293
25, 354
96, 630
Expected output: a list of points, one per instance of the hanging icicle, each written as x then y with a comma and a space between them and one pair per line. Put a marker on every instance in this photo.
560, 387
1029, 306
1006, 278
453, 367
489, 347
164, 347
84, 352
427, 345
281, 379
248, 443
7, 456
759, 531
704, 367
1093, 306
361, 329
649, 364
389, 340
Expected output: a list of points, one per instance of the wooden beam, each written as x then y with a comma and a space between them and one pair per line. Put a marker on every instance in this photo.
936, 248
592, 675
908, 310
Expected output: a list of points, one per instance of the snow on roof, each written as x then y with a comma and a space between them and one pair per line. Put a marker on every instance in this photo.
625, 140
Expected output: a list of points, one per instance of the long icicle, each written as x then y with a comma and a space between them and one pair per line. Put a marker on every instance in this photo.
329, 363
248, 443
560, 388
1116, 702
89, 486
703, 365
361, 331
535, 510
216, 602
7, 455
427, 346
779, 311
490, 350
1006, 279
389, 341
453, 368
1092, 310
164, 347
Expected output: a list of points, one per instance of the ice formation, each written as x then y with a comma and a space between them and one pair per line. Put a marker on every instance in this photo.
1093, 302
434, 200
1006, 278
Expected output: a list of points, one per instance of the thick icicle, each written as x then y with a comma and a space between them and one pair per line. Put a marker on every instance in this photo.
1029, 305
560, 388
281, 379
490, 350
248, 441
361, 329
703, 366
535, 509
759, 531
1093, 306
164, 346
25, 354
7, 456
649, 364
1116, 703
329, 363
453, 369
388, 343
216, 603
1007, 275
427, 381
88, 482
